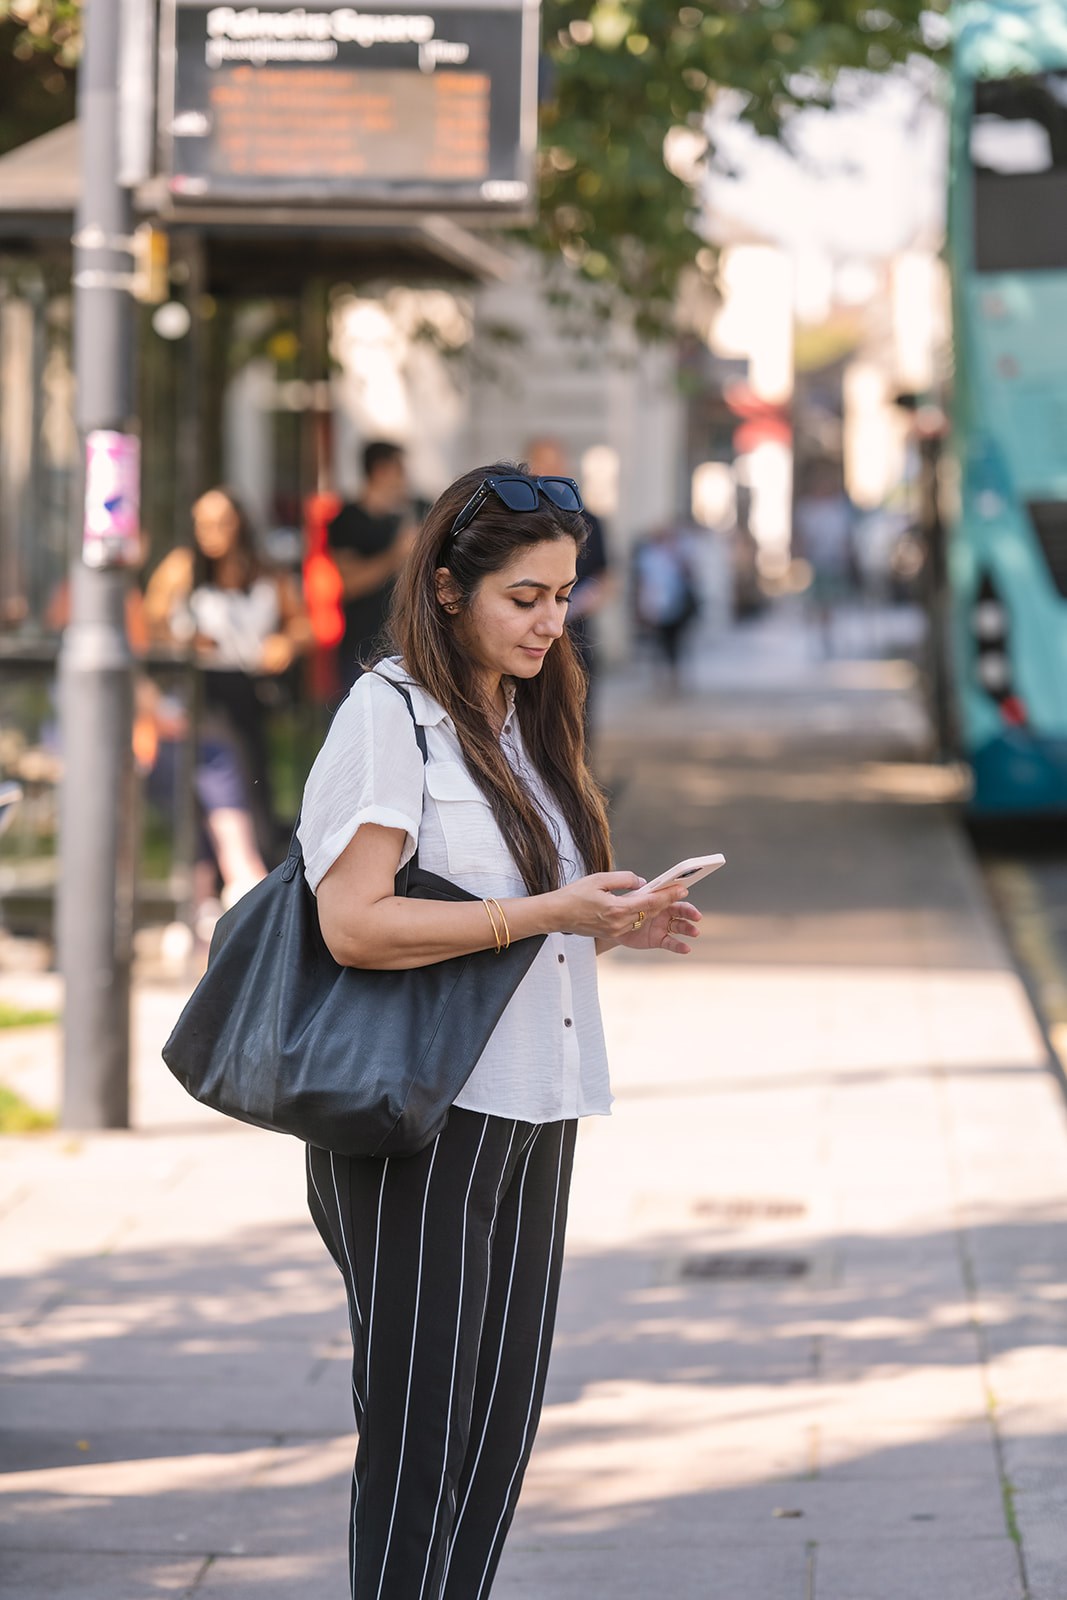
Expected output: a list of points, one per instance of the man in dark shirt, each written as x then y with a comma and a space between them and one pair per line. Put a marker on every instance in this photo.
369, 539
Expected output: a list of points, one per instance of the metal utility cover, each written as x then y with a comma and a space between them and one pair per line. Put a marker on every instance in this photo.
731, 1267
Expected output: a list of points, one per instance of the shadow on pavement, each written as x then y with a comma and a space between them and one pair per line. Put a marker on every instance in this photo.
194, 1401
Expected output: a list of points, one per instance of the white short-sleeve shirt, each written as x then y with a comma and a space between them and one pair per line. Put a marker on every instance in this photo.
546, 1059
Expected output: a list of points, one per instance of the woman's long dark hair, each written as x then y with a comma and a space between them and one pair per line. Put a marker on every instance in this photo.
205, 568
549, 706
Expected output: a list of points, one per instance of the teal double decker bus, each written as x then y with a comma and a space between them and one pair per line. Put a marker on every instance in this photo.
1007, 544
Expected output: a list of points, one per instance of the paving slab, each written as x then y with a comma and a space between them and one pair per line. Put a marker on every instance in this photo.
895, 1569
316, 1574
276, 1405
202, 1493
77, 1349
577, 1570
34, 1574
1040, 1512
672, 1512
850, 1451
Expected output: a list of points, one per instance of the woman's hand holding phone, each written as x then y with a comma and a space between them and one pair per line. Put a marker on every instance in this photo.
621, 908
605, 905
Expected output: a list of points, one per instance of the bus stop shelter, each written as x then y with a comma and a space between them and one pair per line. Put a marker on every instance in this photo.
220, 260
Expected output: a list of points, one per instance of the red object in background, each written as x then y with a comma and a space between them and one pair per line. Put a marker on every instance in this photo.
761, 430
762, 421
1013, 711
323, 594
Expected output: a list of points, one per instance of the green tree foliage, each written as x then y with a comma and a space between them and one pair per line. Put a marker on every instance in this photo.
36, 82
624, 73
620, 75
44, 27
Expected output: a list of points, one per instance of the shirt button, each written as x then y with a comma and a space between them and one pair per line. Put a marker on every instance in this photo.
561, 959
568, 1022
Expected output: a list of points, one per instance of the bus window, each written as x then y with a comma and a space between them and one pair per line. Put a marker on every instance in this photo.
1018, 150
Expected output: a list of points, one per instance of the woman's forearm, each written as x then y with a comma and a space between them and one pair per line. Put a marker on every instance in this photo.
397, 932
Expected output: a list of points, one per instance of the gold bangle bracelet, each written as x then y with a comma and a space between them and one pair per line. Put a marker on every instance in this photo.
492, 923
496, 912
504, 920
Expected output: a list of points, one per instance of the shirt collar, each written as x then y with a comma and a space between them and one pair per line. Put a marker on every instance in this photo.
428, 711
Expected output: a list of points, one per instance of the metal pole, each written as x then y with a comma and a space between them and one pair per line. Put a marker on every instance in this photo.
95, 909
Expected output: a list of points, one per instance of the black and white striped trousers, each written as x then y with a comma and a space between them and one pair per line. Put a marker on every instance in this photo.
452, 1261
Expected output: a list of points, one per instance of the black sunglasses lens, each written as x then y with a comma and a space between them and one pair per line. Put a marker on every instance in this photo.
518, 494
562, 493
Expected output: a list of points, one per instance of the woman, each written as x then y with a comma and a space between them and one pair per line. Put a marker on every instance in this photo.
667, 602
245, 621
451, 1258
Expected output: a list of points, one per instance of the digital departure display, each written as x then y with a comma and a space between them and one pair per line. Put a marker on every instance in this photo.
329, 104
304, 124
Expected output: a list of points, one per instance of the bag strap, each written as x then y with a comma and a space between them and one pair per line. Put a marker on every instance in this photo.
294, 857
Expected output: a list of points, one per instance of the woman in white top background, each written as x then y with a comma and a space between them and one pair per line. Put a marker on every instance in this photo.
452, 1258
246, 623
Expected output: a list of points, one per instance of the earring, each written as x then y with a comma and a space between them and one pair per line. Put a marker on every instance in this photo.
451, 610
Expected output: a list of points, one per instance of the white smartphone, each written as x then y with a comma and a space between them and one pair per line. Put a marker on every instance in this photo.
687, 872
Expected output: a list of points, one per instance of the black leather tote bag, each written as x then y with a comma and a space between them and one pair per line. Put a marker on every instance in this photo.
361, 1062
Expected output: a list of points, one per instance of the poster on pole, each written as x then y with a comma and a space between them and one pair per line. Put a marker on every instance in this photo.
112, 528
433, 107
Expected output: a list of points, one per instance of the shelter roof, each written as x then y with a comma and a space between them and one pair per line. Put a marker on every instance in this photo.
42, 177
249, 250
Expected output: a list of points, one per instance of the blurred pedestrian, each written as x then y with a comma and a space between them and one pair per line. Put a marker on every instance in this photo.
749, 597
547, 457
823, 535
666, 597
246, 622
370, 539
451, 1258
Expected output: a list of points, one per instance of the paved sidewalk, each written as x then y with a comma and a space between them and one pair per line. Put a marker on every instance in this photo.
811, 1341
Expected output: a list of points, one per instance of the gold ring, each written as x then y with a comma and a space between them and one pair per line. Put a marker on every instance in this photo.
637, 922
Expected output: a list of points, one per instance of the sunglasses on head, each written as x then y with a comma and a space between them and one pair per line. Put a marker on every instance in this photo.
518, 493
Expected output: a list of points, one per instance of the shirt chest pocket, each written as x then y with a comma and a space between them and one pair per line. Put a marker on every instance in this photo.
473, 842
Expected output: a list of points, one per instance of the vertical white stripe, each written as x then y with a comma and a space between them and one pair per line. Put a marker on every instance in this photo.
492, 1228
357, 1398
359, 1407
344, 1236
455, 1354
355, 1508
499, 1359
374, 1268
370, 1334
411, 1367
536, 1364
